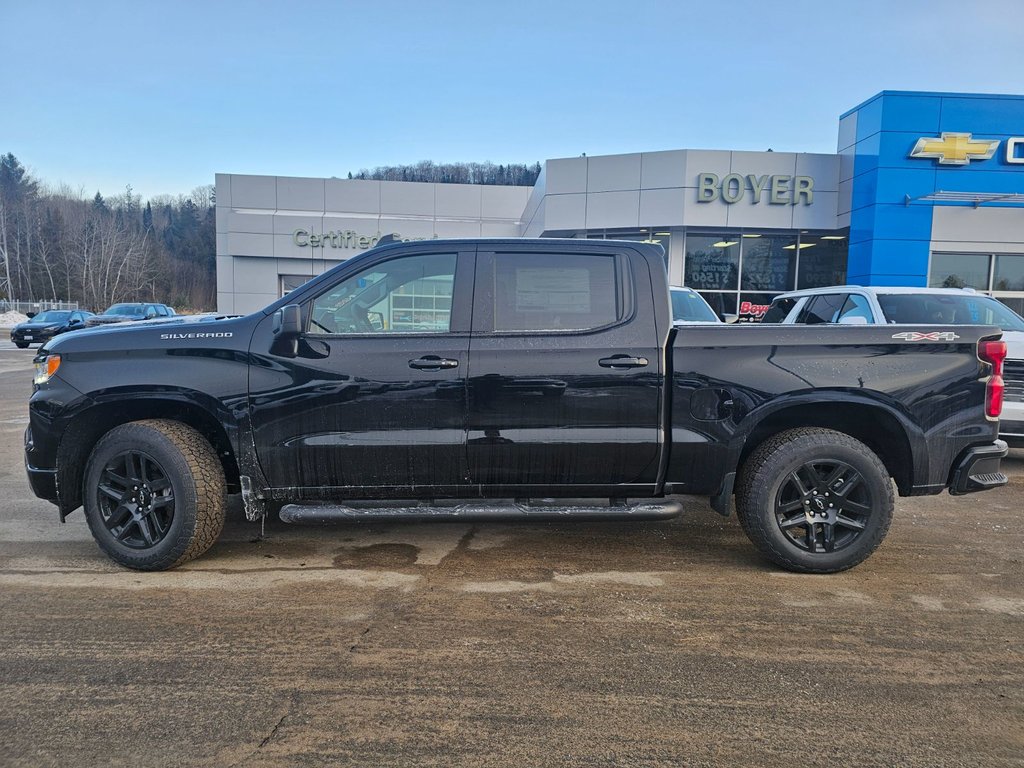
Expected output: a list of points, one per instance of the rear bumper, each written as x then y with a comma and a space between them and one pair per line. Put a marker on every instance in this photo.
977, 469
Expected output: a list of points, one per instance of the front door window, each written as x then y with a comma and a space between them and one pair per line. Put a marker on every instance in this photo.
405, 295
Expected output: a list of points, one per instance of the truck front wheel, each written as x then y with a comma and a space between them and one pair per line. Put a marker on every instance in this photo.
814, 500
154, 494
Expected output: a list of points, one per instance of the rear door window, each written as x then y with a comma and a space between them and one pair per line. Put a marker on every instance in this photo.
856, 306
556, 292
824, 308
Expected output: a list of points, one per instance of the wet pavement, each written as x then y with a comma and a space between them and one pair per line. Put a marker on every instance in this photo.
445, 644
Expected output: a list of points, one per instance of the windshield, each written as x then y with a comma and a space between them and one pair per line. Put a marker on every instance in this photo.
969, 309
689, 307
51, 316
132, 310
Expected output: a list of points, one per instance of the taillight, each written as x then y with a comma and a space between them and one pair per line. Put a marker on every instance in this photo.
994, 397
993, 353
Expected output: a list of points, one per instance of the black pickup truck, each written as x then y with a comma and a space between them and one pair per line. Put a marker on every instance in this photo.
533, 378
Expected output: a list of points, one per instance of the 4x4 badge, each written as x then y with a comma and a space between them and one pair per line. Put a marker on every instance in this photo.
933, 336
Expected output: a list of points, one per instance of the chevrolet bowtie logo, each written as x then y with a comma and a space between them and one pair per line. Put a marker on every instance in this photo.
955, 148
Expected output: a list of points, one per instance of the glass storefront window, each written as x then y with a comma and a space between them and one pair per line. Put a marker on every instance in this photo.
712, 262
661, 237
288, 283
1009, 274
959, 270
822, 261
1017, 305
768, 263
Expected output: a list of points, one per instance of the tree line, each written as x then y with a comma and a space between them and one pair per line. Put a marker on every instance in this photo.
57, 243
512, 174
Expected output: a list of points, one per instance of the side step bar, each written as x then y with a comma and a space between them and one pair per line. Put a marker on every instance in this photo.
520, 509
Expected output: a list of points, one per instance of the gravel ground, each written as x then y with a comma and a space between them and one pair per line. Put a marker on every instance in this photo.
509, 645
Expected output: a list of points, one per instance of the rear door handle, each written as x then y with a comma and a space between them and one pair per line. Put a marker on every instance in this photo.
622, 361
433, 363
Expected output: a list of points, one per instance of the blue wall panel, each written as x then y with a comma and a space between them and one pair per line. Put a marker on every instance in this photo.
997, 115
889, 239
914, 114
893, 262
869, 118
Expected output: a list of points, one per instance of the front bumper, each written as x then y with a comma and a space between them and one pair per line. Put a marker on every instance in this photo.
977, 469
43, 481
31, 337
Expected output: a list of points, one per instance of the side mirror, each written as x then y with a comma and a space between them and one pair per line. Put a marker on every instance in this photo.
30, 315
287, 330
730, 319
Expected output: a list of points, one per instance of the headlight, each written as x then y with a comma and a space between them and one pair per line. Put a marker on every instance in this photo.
46, 368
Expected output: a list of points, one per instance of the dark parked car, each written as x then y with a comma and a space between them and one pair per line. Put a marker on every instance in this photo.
120, 313
42, 327
480, 378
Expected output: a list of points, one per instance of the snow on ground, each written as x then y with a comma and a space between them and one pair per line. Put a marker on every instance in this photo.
11, 319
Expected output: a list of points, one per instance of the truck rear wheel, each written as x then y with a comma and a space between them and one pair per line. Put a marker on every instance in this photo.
154, 494
814, 500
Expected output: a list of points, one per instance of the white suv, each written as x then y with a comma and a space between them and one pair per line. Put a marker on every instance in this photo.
857, 305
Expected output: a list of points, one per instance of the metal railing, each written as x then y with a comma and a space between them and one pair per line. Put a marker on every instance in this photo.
24, 307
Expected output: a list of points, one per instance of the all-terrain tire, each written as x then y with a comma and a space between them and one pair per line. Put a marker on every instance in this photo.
187, 463
760, 490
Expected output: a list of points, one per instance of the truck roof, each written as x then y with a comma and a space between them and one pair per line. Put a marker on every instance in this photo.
877, 289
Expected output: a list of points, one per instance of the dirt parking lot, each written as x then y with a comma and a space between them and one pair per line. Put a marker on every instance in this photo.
509, 645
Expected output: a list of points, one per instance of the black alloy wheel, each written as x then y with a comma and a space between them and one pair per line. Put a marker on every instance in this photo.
814, 500
154, 494
823, 506
136, 500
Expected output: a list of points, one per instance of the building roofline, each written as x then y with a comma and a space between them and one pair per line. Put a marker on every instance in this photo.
937, 94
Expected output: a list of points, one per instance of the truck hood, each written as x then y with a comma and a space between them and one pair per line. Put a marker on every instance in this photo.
120, 334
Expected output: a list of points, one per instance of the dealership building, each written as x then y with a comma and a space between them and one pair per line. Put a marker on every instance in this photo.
925, 189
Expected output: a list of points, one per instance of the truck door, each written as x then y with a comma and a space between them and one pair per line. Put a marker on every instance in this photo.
376, 396
565, 369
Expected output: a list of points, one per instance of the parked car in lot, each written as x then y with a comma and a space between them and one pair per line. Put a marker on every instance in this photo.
688, 306
120, 313
855, 304
42, 327
314, 405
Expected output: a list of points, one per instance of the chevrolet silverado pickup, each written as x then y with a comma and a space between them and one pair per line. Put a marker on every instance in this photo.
488, 378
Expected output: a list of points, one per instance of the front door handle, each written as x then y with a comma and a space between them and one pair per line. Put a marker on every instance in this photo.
433, 363
622, 361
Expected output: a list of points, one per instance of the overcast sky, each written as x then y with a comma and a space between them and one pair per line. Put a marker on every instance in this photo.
163, 95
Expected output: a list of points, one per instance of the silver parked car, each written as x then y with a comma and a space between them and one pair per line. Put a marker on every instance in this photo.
688, 306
